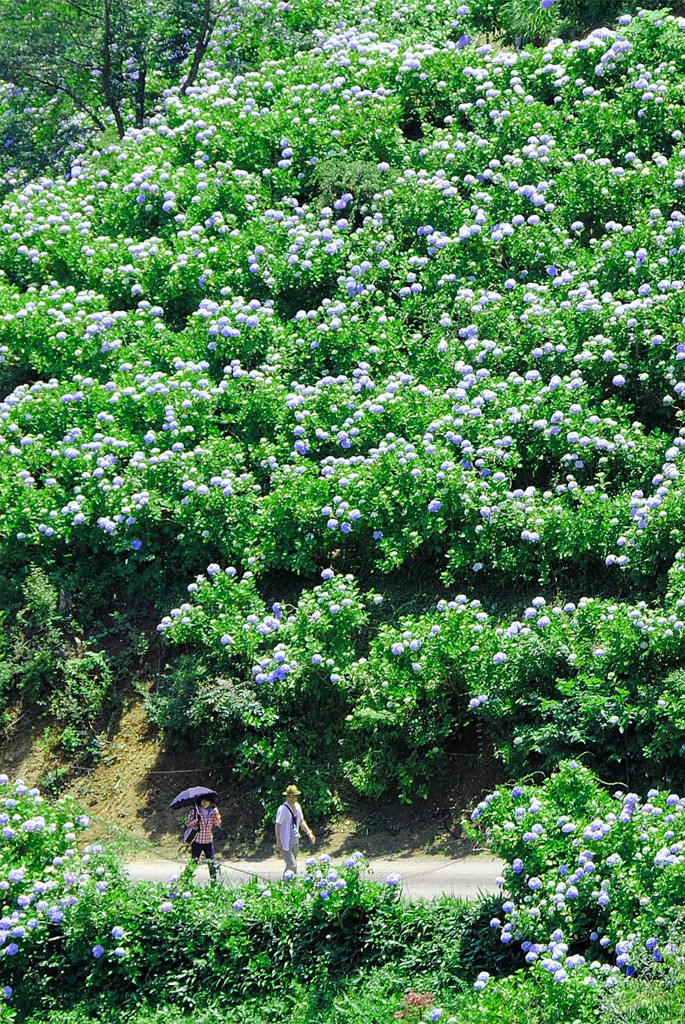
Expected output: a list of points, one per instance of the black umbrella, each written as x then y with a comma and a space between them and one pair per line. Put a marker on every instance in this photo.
192, 796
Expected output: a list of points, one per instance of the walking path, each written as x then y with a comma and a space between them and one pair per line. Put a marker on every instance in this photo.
423, 876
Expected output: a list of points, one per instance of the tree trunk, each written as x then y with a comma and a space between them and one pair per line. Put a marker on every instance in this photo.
140, 97
107, 89
206, 30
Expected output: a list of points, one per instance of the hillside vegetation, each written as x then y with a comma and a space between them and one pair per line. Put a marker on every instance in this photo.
357, 367
342, 356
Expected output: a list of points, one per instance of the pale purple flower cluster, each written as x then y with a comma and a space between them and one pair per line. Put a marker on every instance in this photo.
563, 897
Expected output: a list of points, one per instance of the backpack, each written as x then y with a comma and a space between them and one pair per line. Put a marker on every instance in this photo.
190, 831
190, 834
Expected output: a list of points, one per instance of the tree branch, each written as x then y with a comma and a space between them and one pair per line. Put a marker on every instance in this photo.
206, 29
107, 71
140, 97
55, 87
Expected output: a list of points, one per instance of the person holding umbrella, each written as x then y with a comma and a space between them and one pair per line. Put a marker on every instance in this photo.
289, 821
203, 818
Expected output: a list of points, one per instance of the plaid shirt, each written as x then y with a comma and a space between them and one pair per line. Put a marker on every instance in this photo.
204, 823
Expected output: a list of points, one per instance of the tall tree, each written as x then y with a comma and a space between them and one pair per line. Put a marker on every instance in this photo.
104, 54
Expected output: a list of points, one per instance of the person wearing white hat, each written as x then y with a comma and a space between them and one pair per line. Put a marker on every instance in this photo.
289, 822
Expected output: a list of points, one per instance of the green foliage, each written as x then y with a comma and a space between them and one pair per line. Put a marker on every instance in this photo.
50, 670
581, 15
658, 1001
407, 310
523, 22
37, 643
527, 21
588, 872
267, 723
594, 679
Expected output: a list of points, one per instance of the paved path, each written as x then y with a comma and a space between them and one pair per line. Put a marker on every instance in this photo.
422, 876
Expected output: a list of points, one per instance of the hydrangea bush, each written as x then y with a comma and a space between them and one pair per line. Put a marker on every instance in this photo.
598, 678
393, 301
592, 882
44, 875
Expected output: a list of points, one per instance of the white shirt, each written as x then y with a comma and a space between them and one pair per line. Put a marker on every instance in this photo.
289, 829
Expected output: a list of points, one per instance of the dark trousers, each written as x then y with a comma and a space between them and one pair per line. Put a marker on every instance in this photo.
196, 851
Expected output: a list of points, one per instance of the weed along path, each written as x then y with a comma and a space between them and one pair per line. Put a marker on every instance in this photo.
423, 876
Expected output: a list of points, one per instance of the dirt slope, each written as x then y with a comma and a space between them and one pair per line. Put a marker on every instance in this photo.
128, 794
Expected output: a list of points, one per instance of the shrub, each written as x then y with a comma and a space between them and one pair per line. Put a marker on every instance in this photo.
592, 881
